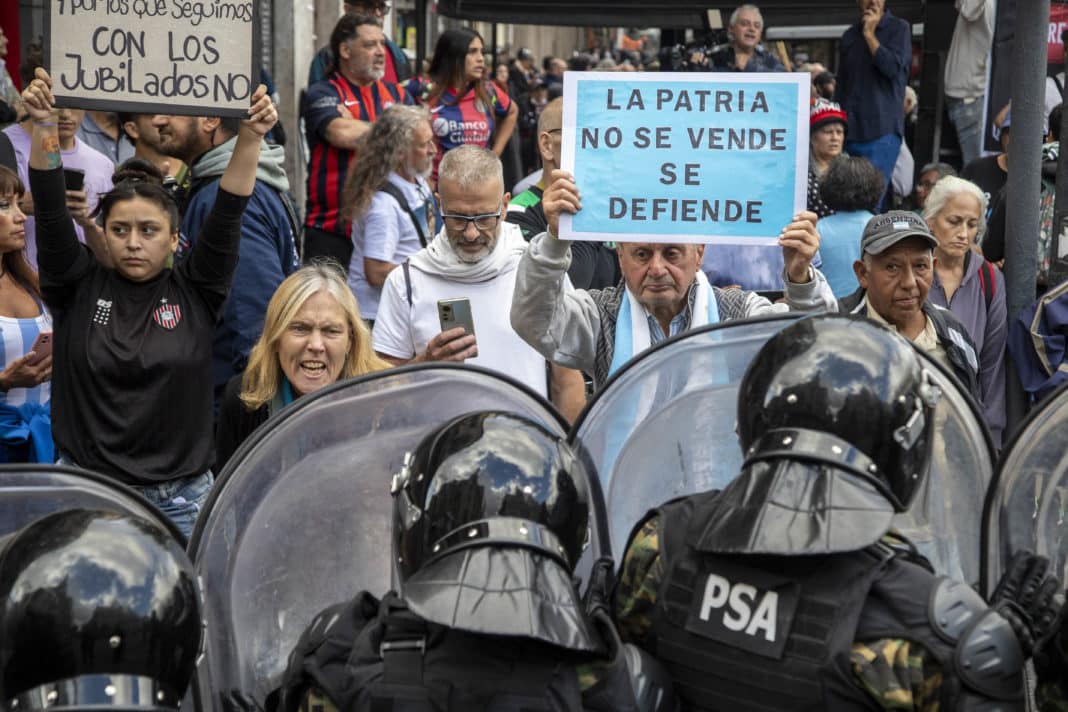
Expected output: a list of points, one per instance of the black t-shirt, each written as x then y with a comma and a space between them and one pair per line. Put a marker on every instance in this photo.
132, 383
987, 174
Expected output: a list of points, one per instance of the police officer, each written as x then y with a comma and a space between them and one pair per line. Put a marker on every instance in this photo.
784, 591
491, 514
98, 611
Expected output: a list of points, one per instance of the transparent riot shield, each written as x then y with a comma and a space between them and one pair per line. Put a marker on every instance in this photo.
300, 519
1027, 507
664, 427
29, 492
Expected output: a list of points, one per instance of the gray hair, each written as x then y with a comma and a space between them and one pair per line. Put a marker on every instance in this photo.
740, 8
944, 190
944, 169
468, 166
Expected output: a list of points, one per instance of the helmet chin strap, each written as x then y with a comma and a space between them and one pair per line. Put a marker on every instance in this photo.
929, 395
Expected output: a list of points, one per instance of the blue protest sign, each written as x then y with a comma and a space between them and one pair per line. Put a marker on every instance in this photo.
694, 157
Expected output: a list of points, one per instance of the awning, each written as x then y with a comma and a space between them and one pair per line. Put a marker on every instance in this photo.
669, 14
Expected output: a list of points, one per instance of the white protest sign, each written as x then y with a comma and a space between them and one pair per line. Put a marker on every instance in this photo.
685, 157
169, 56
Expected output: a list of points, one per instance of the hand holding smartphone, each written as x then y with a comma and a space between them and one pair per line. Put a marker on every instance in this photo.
456, 312
74, 178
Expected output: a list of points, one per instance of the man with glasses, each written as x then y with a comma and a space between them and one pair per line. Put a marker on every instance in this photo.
745, 54
593, 265
473, 257
397, 68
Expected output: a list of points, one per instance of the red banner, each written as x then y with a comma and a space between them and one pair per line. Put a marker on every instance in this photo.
1058, 23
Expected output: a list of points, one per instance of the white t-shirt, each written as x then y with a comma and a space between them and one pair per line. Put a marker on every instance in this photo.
386, 233
402, 331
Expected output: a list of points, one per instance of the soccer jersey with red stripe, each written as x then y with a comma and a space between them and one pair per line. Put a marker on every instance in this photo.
467, 120
329, 164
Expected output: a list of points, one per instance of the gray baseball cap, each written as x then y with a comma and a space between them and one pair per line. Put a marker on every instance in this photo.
884, 231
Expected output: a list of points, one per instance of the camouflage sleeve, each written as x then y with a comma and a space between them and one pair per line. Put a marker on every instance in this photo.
639, 581
316, 701
899, 675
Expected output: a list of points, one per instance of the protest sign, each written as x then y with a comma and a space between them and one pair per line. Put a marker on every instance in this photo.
694, 157
170, 56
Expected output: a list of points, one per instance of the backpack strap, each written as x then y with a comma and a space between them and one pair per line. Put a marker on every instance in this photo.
395, 192
406, 266
986, 282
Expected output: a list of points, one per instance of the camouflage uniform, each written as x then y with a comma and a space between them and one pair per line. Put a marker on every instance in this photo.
899, 675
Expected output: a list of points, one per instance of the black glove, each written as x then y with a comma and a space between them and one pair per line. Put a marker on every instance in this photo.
1030, 599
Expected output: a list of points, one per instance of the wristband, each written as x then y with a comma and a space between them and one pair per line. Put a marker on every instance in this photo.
45, 123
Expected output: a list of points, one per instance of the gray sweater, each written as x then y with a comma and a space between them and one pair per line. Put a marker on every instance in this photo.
576, 328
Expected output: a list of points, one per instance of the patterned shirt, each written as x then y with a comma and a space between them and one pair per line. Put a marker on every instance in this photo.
329, 165
898, 675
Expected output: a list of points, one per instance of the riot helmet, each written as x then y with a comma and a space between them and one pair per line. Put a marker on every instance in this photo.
842, 392
491, 514
98, 610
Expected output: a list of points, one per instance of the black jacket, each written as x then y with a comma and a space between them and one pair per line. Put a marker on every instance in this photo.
952, 335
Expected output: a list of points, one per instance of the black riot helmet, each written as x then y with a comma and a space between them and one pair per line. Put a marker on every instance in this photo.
490, 466
843, 392
493, 503
98, 610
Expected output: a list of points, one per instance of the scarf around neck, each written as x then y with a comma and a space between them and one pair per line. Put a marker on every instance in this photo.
438, 258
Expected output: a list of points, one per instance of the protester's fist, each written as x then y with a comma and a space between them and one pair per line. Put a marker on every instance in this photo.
452, 345
562, 196
799, 241
38, 99
262, 115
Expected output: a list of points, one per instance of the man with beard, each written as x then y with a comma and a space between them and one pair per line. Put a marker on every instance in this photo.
268, 252
389, 200
338, 111
146, 142
474, 258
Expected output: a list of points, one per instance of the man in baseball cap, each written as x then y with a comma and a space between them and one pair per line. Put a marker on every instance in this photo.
895, 272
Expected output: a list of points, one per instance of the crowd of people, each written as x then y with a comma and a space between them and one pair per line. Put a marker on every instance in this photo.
191, 301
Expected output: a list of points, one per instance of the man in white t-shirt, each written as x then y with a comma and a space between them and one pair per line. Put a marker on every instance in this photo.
474, 256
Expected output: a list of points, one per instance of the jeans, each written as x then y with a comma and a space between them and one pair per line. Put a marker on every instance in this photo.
181, 499
967, 118
882, 152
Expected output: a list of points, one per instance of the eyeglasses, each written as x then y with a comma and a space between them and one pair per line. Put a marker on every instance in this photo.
483, 223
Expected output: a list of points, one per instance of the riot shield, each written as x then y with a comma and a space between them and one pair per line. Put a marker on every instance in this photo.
1027, 507
29, 492
664, 427
300, 519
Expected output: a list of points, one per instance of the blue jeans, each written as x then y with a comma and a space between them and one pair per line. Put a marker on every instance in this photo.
181, 499
882, 152
967, 118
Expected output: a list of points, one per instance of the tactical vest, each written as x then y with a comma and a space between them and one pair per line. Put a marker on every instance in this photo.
757, 633
390, 660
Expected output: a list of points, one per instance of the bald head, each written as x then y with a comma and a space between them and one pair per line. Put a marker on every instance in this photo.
549, 123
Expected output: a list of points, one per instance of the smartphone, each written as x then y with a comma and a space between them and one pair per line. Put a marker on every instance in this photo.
74, 178
456, 312
42, 346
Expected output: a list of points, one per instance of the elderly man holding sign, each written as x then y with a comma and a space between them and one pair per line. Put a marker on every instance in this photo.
666, 165
663, 293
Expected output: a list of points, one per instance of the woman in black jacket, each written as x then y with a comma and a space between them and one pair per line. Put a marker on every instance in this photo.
132, 384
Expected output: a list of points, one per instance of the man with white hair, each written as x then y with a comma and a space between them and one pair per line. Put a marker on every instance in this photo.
475, 257
745, 53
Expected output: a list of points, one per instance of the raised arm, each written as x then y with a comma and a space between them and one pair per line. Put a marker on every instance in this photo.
60, 257
213, 258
